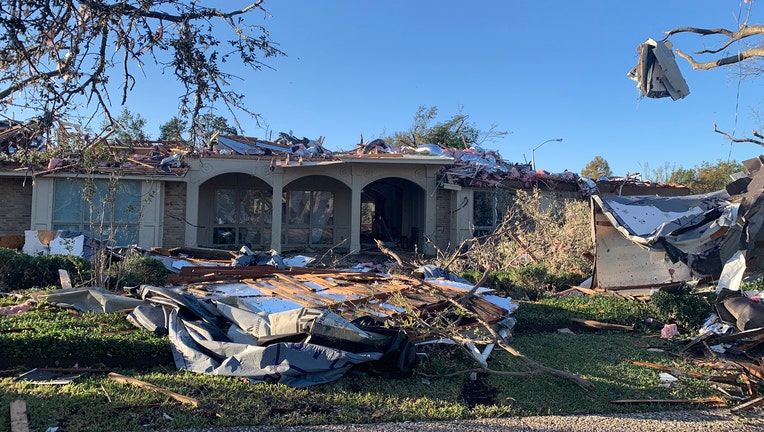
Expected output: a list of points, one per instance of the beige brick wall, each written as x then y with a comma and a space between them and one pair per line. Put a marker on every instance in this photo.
174, 234
16, 216
442, 219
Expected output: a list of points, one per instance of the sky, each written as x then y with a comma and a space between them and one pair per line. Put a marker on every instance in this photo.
539, 70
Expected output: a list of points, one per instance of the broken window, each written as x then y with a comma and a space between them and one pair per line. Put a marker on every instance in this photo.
308, 218
241, 217
102, 209
489, 208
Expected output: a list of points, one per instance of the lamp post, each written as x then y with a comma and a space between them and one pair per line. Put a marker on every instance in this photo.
533, 151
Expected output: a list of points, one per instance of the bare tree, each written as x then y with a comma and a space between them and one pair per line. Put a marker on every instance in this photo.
746, 40
56, 55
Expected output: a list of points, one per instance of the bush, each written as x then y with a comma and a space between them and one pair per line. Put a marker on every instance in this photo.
680, 306
137, 270
564, 280
531, 280
19, 271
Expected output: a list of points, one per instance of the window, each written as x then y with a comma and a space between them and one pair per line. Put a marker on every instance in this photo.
241, 217
489, 209
308, 218
102, 209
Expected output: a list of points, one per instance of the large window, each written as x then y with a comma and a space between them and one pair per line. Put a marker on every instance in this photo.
241, 217
104, 210
308, 218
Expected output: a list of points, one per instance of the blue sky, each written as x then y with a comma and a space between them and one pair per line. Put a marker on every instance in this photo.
539, 70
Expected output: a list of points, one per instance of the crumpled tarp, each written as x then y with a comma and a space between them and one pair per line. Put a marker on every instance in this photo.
90, 300
299, 347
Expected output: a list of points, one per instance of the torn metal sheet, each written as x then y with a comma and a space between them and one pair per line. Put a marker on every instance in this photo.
645, 242
690, 237
656, 73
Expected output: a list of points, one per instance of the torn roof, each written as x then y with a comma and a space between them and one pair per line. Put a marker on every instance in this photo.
645, 219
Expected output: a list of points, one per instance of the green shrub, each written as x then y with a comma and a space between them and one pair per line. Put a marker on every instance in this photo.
12, 264
137, 270
564, 280
531, 280
19, 271
680, 306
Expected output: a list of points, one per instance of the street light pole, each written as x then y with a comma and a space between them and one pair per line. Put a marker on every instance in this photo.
533, 151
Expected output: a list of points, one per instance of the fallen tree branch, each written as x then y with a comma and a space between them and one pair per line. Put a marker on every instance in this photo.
136, 382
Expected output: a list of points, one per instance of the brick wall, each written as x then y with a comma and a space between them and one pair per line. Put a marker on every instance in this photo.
174, 234
16, 216
442, 218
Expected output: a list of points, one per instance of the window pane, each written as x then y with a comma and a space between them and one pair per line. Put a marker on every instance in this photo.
322, 236
249, 236
225, 206
224, 235
323, 208
127, 205
297, 236
298, 207
255, 207
66, 201
483, 212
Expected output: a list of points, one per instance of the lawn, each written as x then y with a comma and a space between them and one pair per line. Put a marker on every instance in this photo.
441, 388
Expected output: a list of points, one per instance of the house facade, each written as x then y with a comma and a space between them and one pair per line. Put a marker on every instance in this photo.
270, 196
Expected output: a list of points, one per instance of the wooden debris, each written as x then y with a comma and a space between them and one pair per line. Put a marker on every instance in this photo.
666, 368
748, 405
178, 397
19, 421
714, 400
66, 282
602, 326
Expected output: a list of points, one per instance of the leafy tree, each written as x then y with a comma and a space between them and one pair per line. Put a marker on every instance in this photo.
58, 55
597, 168
707, 177
208, 125
455, 132
173, 130
128, 127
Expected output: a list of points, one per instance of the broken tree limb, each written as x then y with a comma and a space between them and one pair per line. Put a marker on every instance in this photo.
536, 366
136, 382
389, 253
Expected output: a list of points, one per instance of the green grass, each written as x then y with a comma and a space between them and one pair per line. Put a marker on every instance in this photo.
436, 391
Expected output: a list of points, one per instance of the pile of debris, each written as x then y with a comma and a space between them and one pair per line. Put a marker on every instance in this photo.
274, 319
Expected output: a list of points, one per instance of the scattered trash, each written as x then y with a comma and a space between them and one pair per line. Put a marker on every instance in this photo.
669, 331
48, 377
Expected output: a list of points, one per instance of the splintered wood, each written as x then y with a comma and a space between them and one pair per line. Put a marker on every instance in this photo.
349, 293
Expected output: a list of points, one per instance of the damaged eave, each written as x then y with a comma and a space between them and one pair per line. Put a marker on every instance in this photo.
398, 159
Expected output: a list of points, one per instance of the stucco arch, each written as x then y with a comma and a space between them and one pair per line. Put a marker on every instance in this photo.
393, 210
234, 209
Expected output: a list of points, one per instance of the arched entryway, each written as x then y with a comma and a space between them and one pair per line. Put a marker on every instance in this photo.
235, 210
393, 211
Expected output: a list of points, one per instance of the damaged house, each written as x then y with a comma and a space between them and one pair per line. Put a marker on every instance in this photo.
290, 194
284, 195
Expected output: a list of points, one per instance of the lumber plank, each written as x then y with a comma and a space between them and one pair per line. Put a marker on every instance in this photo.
601, 326
19, 420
